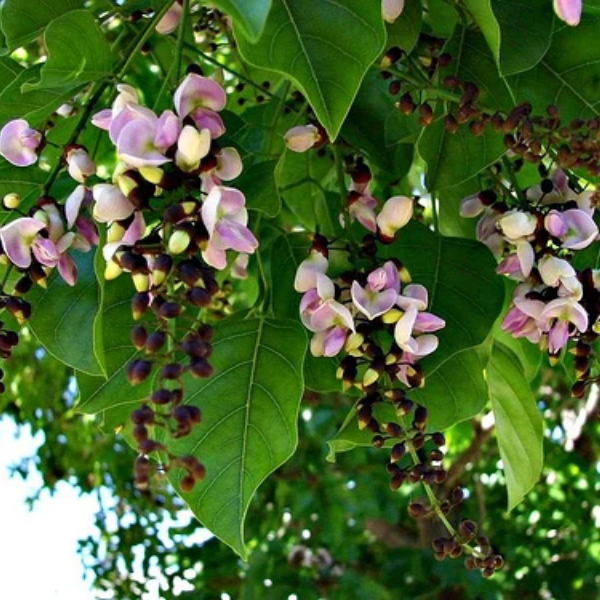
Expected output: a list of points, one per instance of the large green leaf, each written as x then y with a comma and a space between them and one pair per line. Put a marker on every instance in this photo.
258, 184
35, 105
463, 287
250, 15
519, 424
404, 32
370, 121
454, 392
453, 158
568, 75
23, 22
324, 46
518, 33
250, 409
63, 316
78, 52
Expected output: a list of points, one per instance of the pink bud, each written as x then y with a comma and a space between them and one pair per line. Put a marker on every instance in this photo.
302, 138
568, 10
80, 165
391, 9
168, 24
395, 214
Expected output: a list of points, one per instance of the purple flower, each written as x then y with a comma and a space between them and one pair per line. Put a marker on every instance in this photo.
17, 239
79, 164
225, 218
111, 204
18, 143
574, 228
361, 207
168, 24
308, 270
569, 11
380, 293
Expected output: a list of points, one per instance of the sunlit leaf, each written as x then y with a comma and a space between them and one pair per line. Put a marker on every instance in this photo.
250, 409
250, 15
519, 424
324, 46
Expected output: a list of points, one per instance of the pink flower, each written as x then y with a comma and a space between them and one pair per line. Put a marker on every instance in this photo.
302, 138
17, 239
80, 165
18, 143
574, 228
569, 11
168, 24
192, 147
361, 207
308, 270
104, 118
111, 203
397, 211
239, 268
201, 98
380, 293
563, 311
225, 218
471, 206
391, 9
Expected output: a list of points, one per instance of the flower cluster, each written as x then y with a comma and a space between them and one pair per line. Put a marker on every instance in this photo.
343, 313
536, 243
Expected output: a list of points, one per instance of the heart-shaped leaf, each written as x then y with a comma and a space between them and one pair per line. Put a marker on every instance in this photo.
324, 46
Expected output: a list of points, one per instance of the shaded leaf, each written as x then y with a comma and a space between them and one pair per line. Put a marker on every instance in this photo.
25, 181
23, 22
250, 409
250, 15
519, 424
35, 106
405, 30
78, 52
258, 184
63, 316
567, 76
324, 46
454, 392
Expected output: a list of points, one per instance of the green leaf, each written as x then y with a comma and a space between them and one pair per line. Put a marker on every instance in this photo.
453, 158
257, 182
518, 33
454, 392
113, 324
525, 33
442, 17
324, 46
519, 425
25, 181
404, 31
568, 75
78, 52
23, 22
464, 290
9, 70
302, 178
250, 409
371, 117
34, 106
63, 316
250, 15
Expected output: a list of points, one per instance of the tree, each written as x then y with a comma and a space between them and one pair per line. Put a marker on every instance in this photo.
385, 209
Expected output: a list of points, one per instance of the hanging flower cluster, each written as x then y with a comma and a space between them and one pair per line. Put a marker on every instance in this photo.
536, 245
343, 313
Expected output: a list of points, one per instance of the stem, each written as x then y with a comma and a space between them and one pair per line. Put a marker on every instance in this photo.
513, 180
180, 35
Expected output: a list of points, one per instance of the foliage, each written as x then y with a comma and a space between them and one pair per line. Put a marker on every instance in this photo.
163, 256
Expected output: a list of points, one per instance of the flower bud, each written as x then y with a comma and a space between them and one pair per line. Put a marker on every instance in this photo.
391, 9
11, 201
79, 164
569, 11
302, 138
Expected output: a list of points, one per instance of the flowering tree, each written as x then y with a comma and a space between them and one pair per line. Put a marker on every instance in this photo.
210, 211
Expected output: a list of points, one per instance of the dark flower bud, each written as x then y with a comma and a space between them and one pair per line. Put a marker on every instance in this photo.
397, 481
451, 124
23, 285
171, 371
161, 396
139, 304
404, 407
393, 429
417, 441
169, 310
156, 340
200, 367
139, 335
186, 483
138, 370
426, 113
417, 509
457, 495
398, 451
142, 416
420, 419
438, 438
199, 297
406, 104
161, 268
